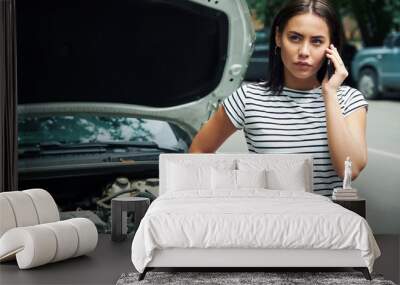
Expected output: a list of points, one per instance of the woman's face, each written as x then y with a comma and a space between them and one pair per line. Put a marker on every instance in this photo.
303, 43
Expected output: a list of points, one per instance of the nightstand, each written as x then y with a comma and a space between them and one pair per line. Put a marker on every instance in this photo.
120, 207
357, 206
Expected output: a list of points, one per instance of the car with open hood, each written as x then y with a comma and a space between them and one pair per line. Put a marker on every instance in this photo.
104, 87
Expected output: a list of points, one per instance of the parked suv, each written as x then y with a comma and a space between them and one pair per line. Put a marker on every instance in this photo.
377, 69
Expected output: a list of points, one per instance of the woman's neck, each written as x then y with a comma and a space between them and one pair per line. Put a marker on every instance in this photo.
301, 84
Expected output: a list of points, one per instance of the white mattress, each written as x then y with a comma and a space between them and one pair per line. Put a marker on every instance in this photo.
252, 218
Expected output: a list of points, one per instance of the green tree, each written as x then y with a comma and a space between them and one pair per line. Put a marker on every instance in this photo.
265, 9
393, 7
375, 18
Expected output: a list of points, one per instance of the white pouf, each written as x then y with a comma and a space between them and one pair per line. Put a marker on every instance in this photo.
31, 232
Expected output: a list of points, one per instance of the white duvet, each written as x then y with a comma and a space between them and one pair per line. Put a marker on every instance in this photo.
252, 218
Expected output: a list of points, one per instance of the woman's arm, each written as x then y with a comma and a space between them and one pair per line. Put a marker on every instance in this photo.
213, 133
346, 136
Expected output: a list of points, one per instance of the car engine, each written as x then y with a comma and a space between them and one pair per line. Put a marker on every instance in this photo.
120, 187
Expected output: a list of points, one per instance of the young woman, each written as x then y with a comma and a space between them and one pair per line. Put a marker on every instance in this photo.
298, 109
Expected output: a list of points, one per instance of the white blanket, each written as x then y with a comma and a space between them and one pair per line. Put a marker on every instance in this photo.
252, 218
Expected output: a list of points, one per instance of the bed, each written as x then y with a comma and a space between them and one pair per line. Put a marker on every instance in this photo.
247, 210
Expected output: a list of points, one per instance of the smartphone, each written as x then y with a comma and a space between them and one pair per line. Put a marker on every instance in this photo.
329, 68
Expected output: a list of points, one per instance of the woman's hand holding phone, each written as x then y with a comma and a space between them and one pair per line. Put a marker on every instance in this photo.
336, 70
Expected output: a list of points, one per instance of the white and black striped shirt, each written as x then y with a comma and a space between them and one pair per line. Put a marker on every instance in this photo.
291, 122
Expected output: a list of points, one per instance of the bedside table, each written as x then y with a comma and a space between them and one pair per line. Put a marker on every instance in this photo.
357, 206
120, 207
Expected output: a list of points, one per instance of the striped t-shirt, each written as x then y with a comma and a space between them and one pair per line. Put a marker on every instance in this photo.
291, 122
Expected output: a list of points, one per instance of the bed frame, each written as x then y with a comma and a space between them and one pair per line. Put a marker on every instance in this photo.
242, 258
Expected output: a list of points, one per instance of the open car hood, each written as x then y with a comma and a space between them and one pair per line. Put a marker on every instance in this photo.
165, 59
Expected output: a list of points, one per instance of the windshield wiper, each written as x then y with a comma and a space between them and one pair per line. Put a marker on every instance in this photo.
145, 144
55, 147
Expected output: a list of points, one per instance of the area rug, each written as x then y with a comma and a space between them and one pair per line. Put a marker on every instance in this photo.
244, 278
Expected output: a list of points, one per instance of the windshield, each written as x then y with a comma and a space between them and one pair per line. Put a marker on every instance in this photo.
33, 130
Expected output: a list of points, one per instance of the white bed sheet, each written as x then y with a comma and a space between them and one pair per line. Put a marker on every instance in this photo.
250, 218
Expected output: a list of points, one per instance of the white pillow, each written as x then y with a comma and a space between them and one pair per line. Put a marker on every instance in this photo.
193, 174
282, 174
292, 179
223, 179
182, 177
251, 178
230, 180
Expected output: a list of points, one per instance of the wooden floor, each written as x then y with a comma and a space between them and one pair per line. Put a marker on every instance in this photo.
111, 259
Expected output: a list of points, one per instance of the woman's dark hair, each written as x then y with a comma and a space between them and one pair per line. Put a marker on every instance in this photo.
321, 8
